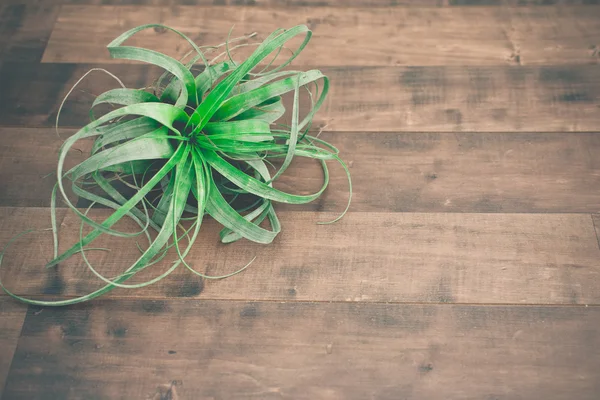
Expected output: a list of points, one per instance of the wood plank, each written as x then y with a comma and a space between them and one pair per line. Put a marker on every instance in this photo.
460, 172
230, 350
347, 36
336, 3
12, 315
377, 99
472, 99
387, 257
424, 172
342, 36
25, 28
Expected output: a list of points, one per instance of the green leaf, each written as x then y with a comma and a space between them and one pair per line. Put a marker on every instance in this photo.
242, 102
180, 154
124, 130
211, 104
151, 146
188, 92
254, 186
125, 97
268, 111
220, 210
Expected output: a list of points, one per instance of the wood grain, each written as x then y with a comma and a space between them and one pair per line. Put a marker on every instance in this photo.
25, 28
424, 172
475, 99
12, 315
231, 350
347, 36
390, 257
335, 3
10, 16
342, 36
28, 160
458, 172
376, 99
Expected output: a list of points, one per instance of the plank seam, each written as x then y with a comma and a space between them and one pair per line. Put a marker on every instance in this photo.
281, 301
595, 230
75, 128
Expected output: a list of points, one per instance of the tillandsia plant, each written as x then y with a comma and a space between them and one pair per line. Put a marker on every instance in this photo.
191, 146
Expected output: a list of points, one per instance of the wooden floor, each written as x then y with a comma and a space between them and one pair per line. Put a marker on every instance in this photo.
467, 268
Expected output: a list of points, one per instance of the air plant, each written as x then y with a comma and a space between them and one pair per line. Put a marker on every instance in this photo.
188, 147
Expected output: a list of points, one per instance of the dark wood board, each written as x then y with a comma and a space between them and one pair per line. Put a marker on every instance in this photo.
370, 257
336, 3
269, 350
363, 99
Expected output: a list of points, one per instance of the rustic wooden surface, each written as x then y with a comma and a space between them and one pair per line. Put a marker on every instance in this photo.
300, 350
468, 267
